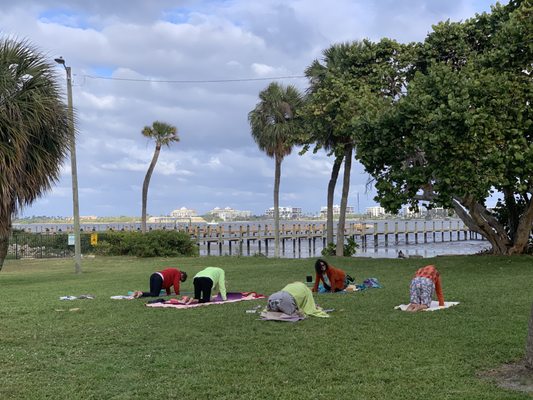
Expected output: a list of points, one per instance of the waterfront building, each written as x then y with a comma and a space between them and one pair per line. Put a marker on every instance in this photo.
183, 212
229, 214
336, 211
285, 212
375, 211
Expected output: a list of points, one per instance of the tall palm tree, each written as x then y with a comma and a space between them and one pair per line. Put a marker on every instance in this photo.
333, 63
273, 125
34, 130
163, 134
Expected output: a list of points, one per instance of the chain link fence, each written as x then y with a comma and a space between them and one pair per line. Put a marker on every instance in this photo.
45, 245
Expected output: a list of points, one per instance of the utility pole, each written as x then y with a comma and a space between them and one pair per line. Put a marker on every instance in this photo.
74, 169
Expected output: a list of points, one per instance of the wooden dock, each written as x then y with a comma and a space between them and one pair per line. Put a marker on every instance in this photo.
239, 239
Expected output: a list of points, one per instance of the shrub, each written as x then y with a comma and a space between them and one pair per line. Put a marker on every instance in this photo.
350, 248
157, 243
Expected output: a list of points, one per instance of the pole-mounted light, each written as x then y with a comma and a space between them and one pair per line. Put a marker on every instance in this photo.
74, 169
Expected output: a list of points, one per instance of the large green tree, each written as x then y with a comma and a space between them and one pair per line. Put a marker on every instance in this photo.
163, 134
274, 127
350, 85
464, 130
34, 130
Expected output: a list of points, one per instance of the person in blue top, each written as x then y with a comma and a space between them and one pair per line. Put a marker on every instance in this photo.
205, 282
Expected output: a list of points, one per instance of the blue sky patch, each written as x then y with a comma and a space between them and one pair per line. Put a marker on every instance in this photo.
64, 17
104, 71
176, 16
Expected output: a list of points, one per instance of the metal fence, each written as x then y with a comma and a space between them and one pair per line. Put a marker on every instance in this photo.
43, 245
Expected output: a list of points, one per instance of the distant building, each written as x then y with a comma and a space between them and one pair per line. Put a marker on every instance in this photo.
336, 210
175, 220
229, 214
183, 213
439, 212
376, 211
408, 213
285, 212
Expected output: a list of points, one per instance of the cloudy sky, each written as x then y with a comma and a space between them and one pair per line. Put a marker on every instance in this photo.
198, 65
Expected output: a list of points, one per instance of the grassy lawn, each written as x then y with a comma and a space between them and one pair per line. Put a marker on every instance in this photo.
119, 349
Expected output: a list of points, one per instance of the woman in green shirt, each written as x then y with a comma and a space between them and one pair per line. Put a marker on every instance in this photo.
295, 295
206, 281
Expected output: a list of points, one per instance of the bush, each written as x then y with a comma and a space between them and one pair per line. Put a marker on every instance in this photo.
158, 243
350, 248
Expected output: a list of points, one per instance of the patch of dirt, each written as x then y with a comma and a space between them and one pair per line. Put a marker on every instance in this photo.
511, 376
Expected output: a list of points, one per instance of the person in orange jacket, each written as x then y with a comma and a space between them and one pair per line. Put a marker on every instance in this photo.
424, 283
333, 279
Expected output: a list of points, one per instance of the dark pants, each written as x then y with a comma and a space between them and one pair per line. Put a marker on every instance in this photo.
202, 289
156, 283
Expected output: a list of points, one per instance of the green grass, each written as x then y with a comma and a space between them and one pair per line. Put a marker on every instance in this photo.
113, 349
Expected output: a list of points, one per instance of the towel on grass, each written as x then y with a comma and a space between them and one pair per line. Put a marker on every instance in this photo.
80, 297
129, 296
232, 297
433, 307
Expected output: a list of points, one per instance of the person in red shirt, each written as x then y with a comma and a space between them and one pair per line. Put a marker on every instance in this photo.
424, 283
164, 279
333, 279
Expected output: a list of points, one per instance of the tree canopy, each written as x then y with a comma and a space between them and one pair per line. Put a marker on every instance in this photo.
464, 128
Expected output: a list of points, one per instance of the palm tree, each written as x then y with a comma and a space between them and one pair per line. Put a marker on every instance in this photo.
163, 134
333, 63
273, 126
34, 130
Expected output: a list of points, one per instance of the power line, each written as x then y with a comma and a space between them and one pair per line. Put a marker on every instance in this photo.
194, 81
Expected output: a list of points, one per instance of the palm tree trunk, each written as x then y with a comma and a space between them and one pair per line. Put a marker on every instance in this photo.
344, 199
331, 194
4, 240
146, 183
277, 178
529, 342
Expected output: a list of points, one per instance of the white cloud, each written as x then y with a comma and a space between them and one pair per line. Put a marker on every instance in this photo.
216, 161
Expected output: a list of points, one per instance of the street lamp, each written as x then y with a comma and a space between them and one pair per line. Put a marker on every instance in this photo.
74, 169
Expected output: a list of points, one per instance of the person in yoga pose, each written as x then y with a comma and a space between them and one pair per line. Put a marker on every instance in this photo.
295, 298
205, 282
424, 283
333, 279
164, 279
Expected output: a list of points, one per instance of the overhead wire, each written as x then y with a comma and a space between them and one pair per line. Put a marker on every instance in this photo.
193, 80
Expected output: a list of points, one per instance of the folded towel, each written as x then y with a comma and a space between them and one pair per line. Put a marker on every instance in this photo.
433, 307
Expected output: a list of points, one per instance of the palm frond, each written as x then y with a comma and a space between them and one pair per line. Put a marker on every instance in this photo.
34, 127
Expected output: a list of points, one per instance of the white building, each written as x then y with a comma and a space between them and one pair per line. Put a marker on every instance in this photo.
229, 214
407, 213
285, 212
336, 210
183, 213
376, 211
